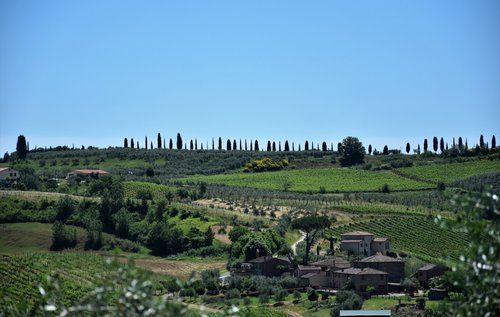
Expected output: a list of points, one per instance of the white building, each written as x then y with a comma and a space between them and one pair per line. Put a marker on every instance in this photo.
7, 173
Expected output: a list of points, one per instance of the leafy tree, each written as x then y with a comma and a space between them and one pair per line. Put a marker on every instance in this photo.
94, 233
164, 239
170, 144
312, 294
158, 145
65, 208
408, 148
441, 145
306, 146
311, 226
352, 152
21, 147
62, 237
6, 157
493, 142
339, 147
279, 294
238, 232
386, 150
435, 144
255, 247
122, 223
179, 141
370, 149
125, 143
228, 145
426, 146
481, 141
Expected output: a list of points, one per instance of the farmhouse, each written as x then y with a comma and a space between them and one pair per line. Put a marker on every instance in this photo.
361, 279
320, 274
265, 265
8, 174
363, 243
427, 272
395, 267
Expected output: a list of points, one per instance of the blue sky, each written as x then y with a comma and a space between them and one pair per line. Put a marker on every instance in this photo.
388, 72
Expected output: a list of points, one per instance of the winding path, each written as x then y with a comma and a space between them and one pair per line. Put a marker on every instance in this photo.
294, 245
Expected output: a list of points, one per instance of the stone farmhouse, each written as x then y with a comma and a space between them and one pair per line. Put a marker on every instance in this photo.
362, 279
429, 271
363, 243
9, 174
265, 265
395, 267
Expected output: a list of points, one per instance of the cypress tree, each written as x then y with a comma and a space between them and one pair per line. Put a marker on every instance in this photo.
234, 145
408, 148
279, 146
324, 147
481, 141
159, 141
435, 144
418, 149
164, 145
137, 145
251, 145
220, 144
191, 145
339, 147
241, 148
132, 143
453, 144
274, 146
171, 144
370, 149
179, 141
151, 145
246, 148
441, 145
293, 146
125, 143
269, 146
21, 147
196, 144
426, 146
386, 150
287, 146
228, 145
146, 142
256, 147
446, 146
493, 142
300, 148
306, 146
460, 144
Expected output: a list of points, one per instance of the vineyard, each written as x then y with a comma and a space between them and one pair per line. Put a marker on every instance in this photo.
21, 274
315, 180
452, 172
418, 236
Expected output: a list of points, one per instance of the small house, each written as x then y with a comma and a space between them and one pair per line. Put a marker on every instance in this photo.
363, 243
361, 279
429, 271
395, 267
269, 266
9, 174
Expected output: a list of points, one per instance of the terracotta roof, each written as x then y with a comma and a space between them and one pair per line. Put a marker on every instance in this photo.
91, 171
334, 262
357, 271
380, 258
357, 233
3, 169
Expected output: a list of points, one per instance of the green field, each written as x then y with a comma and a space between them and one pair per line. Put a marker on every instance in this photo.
449, 173
418, 236
132, 189
310, 180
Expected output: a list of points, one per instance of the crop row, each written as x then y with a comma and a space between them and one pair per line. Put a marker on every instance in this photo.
420, 236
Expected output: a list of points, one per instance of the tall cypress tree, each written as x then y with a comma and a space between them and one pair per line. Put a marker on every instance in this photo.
21, 147
386, 150
220, 144
460, 144
293, 146
481, 141
137, 145
306, 146
493, 142
274, 146
125, 143
251, 145
179, 141
435, 144
171, 144
228, 145
441, 145
146, 142
234, 145
418, 149
246, 148
370, 149
132, 143
191, 145
339, 147
151, 144
426, 146
279, 146
256, 146
287, 146
324, 147
164, 145
196, 144
159, 141
241, 148
408, 148
269, 146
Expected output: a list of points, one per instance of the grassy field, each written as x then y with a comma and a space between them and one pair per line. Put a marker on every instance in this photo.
311, 180
449, 173
132, 189
418, 236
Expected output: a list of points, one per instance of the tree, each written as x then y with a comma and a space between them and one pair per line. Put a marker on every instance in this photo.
179, 141
196, 144
287, 146
234, 145
228, 145
65, 208
460, 145
311, 226
146, 142
478, 215
191, 145
279, 146
269, 146
62, 237
352, 152
408, 148
125, 143
324, 148
481, 141
386, 150
370, 149
339, 147
256, 147
426, 146
158, 145
132, 144
441, 145
493, 142
219, 147
274, 146
21, 147
435, 144
306, 146
170, 144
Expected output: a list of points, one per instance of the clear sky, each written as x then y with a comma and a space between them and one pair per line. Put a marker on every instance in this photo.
93, 72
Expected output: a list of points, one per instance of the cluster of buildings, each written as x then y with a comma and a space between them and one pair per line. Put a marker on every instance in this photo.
372, 272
